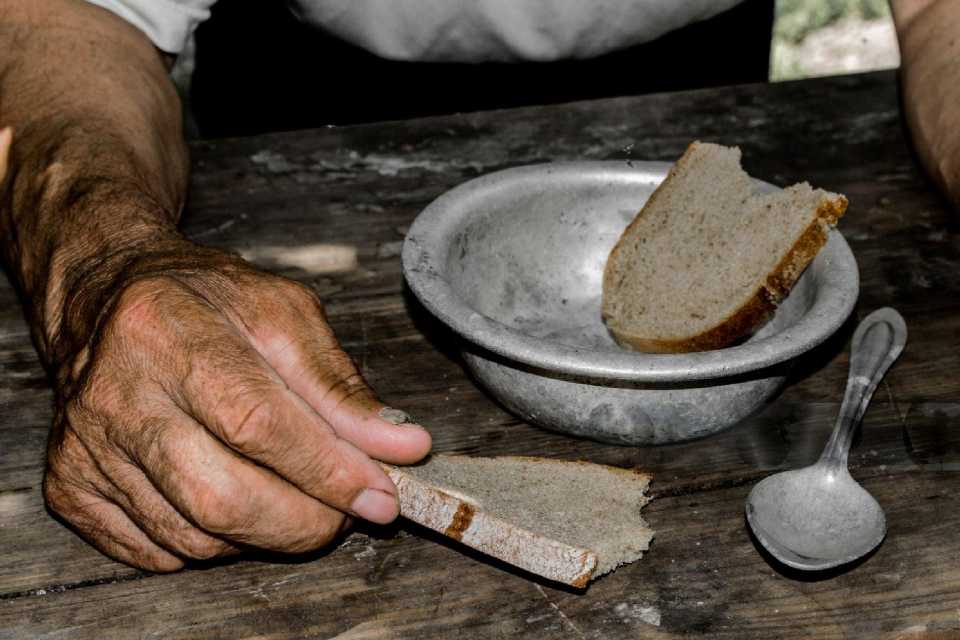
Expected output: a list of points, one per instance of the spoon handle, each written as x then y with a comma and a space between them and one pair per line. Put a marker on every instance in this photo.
877, 342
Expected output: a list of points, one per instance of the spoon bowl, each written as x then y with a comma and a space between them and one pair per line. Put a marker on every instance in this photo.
819, 517
814, 519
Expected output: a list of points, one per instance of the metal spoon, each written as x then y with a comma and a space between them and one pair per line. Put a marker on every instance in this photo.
819, 517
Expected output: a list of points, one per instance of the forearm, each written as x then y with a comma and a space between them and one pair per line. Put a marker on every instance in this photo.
97, 170
929, 35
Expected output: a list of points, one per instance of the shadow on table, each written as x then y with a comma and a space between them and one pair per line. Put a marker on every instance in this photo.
435, 332
252, 554
376, 575
798, 574
819, 357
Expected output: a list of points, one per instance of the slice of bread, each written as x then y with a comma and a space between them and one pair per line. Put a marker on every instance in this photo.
566, 521
708, 258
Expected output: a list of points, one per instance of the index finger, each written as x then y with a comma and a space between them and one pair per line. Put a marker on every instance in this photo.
303, 350
230, 389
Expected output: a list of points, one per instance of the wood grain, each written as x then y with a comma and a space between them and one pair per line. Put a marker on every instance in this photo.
704, 577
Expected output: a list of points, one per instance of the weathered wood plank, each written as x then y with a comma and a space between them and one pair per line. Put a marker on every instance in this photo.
702, 576
789, 433
363, 186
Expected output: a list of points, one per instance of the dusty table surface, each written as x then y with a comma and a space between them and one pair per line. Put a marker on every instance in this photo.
704, 576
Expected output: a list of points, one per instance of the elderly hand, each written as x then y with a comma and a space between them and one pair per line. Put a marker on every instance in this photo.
206, 406
203, 406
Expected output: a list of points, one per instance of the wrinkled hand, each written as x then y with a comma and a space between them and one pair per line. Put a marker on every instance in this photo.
929, 33
212, 409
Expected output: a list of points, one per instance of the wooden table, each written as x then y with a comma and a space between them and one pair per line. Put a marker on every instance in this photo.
704, 576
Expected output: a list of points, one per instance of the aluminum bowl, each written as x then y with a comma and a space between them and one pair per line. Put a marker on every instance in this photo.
513, 262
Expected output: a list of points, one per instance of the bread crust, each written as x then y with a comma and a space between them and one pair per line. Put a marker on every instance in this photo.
455, 517
759, 307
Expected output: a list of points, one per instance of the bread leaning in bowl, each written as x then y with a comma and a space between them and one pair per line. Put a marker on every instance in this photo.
708, 258
565, 521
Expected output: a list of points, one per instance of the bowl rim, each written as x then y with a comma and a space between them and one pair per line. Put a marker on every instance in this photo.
425, 250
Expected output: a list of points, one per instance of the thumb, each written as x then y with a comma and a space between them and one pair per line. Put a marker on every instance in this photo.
330, 383
312, 364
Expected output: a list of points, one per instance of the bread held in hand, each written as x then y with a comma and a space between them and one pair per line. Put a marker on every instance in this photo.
565, 521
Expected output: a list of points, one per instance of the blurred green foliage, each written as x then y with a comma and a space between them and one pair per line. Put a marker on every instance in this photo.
796, 18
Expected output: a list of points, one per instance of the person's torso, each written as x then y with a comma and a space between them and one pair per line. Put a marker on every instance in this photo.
501, 30
453, 30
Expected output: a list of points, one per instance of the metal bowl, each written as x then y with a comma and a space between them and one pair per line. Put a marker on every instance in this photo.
513, 262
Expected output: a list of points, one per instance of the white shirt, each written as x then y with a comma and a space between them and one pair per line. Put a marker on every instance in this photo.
452, 30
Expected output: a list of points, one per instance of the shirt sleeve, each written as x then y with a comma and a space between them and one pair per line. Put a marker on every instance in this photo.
502, 30
168, 23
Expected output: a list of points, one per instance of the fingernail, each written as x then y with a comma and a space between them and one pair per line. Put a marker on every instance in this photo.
397, 417
375, 506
